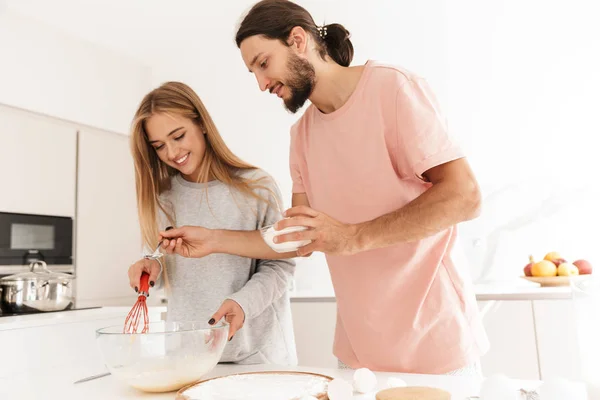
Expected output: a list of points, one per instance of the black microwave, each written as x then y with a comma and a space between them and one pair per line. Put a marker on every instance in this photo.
25, 238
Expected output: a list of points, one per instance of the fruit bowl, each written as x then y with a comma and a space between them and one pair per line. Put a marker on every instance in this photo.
554, 270
168, 357
554, 281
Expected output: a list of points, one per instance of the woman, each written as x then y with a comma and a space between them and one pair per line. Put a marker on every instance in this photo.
186, 175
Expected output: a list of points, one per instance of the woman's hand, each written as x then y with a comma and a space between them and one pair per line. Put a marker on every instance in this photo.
233, 314
188, 241
152, 267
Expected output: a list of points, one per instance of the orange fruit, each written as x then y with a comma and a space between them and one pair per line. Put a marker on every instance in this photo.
544, 268
553, 255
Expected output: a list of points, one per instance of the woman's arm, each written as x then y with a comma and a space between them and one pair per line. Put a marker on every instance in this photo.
197, 241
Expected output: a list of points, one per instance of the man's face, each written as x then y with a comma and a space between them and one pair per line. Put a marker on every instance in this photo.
279, 70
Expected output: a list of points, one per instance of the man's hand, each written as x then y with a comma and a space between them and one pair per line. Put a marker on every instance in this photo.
188, 241
327, 234
233, 314
152, 267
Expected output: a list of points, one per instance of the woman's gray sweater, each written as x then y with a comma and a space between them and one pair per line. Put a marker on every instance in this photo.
198, 286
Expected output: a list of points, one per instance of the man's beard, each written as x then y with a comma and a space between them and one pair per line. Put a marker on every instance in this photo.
301, 82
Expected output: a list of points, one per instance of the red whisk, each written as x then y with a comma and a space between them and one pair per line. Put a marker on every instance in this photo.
140, 308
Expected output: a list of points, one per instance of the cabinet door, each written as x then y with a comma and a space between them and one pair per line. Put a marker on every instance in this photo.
314, 326
557, 339
68, 340
510, 329
37, 160
108, 238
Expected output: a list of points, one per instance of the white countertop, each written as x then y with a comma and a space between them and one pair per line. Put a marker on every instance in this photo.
508, 291
491, 291
52, 318
58, 383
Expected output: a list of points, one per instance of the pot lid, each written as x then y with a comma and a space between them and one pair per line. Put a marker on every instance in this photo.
38, 271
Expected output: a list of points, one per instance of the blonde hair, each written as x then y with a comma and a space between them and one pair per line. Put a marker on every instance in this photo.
153, 177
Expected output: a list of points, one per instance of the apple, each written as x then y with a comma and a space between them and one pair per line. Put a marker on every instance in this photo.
527, 269
558, 261
584, 267
555, 258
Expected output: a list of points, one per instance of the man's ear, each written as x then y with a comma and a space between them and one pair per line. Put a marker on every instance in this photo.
298, 39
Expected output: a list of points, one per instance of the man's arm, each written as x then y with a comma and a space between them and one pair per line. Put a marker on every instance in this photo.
453, 197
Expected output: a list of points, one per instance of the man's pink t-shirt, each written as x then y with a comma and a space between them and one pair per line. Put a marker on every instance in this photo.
407, 307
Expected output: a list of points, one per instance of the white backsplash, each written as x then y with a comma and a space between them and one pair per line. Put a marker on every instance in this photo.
531, 218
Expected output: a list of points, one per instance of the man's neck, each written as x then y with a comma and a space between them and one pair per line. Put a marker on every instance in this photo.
334, 86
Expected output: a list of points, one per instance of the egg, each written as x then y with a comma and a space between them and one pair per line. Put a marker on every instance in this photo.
339, 389
395, 382
498, 387
364, 380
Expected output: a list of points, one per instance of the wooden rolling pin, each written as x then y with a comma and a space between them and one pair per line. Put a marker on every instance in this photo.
413, 393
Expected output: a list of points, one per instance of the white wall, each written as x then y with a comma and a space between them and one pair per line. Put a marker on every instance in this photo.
523, 84
48, 72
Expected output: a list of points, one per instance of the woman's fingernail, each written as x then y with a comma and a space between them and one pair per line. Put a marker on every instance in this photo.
136, 289
212, 321
152, 283
230, 338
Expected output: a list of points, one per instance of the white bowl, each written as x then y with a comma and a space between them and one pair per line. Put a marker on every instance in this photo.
269, 232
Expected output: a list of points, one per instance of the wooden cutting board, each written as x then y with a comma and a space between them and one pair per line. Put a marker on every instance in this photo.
181, 394
413, 393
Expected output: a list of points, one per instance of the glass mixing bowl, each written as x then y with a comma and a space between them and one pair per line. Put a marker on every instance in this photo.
166, 358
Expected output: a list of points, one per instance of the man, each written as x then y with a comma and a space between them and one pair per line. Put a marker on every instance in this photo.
381, 185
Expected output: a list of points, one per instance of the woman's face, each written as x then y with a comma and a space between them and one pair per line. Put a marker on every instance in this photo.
178, 142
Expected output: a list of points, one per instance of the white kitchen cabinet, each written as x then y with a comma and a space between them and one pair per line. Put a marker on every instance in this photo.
43, 342
557, 339
314, 327
108, 239
510, 329
532, 340
37, 160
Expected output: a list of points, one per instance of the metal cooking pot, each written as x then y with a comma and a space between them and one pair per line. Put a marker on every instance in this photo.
36, 290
